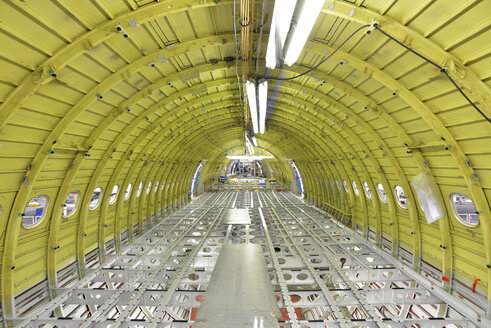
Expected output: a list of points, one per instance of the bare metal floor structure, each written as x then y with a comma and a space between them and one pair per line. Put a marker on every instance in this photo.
317, 273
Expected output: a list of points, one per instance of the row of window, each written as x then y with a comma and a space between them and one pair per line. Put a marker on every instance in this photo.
399, 192
462, 206
37, 207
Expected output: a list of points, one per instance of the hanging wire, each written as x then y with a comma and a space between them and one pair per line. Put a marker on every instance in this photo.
237, 56
322, 61
441, 68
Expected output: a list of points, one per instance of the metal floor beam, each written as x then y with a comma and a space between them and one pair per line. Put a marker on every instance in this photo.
323, 274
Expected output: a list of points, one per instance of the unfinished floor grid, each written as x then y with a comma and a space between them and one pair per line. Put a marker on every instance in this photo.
324, 274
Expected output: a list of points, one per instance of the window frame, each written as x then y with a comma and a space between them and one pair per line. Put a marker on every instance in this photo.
127, 192
76, 204
345, 184
98, 199
403, 206
380, 192
456, 213
42, 217
355, 188
139, 190
111, 202
367, 190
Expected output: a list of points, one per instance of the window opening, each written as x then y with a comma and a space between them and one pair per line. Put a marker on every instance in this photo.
35, 211
401, 197
149, 187
345, 186
381, 192
298, 178
194, 183
464, 209
355, 188
127, 193
156, 186
114, 194
96, 196
367, 190
71, 203
140, 188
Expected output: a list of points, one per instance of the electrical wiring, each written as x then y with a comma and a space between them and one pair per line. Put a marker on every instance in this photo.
441, 68
237, 55
322, 61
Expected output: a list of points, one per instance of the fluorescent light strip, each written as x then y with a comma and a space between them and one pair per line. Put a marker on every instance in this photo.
251, 96
250, 158
263, 104
280, 25
254, 141
302, 25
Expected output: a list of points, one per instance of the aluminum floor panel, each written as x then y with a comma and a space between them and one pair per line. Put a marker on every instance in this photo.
240, 293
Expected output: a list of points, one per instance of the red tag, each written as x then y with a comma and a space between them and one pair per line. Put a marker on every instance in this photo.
474, 285
445, 278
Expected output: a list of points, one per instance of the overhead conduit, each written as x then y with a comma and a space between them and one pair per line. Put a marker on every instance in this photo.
370, 113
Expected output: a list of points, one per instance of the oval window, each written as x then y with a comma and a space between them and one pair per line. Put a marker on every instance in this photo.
156, 186
338, 185
114, 194
381, 192
127, 193
345, 186
35, 211
149, 187
140, 188
464, 209
71, 203
96, 196
401, 197
355, 188
367, 190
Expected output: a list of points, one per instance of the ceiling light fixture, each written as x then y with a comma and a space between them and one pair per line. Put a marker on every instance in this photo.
280, 25
249, 158
302, 24
258, 97
263, 103
251, 96
254, 141
291, 25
